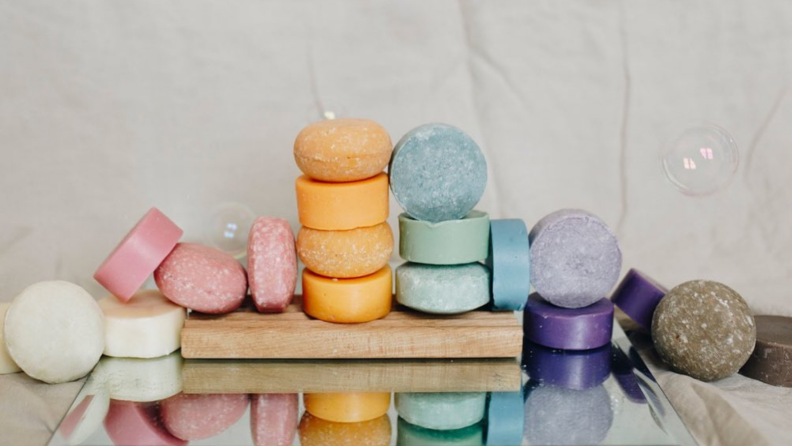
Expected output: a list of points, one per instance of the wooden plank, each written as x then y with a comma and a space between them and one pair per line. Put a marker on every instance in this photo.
318, 376
401, 334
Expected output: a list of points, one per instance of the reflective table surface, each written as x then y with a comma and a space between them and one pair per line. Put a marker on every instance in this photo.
603, 396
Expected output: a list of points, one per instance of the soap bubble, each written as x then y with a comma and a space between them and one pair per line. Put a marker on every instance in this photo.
701, 160
325, 111
228, 228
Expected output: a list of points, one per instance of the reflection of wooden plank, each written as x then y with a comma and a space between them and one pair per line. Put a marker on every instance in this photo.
282, 376
401, 334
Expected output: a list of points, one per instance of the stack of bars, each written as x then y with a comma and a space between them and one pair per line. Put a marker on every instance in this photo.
438, 174
575, 263
342, 201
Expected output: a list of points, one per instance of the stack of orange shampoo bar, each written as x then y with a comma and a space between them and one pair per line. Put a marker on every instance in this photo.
342, 201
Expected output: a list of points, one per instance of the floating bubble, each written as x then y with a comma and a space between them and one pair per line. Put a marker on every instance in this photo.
701, 160
228, 228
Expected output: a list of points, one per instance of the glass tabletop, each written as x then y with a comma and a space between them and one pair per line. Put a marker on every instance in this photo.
602, 396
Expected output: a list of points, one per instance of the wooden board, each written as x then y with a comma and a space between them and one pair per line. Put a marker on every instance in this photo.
401, 334
319, 376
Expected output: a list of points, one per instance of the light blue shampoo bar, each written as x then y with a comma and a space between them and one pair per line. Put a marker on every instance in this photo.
509, 261
443, 289
437, 173
441, 411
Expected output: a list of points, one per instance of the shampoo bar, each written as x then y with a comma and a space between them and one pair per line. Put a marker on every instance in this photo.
441, 411
7, 364
55, 331
704, 329
315, 431
442, 289
273, 418
451, 242
272, 264
437, 173
202, 279
568, 328
339, 150
341, 206
346, 254
509, 260
771, 361
147, 326
575, 258
198, 417
138, 255
351, 407
138, 424
362, 299
638, 296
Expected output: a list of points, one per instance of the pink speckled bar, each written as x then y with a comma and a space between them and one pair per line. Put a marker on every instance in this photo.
272, 264
137, 256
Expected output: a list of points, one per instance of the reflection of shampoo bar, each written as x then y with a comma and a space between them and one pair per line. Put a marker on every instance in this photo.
350, 407
131, 423
441, 411
197, 417
556, 415
505, 418
140, 380
412, 435
573, 369
273, 418
315, 431
147, 326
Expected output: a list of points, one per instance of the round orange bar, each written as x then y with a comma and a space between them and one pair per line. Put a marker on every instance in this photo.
348, 301
347, 407
318, 432
345, 254
342, 206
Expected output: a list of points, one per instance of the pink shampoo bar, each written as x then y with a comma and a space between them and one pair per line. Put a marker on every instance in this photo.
137, 256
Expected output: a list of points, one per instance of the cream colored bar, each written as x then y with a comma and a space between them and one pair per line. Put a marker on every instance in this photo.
147, 326
7, 364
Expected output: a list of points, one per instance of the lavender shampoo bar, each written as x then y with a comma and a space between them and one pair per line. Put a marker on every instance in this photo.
638, 296
437, 173
575, 258
568, 328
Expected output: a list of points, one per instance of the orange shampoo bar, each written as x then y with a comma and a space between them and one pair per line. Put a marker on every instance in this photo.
346, 254
348, 301
342, 206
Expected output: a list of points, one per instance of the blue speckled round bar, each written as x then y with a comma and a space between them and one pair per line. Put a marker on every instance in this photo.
568, 328
510, 264
437, 173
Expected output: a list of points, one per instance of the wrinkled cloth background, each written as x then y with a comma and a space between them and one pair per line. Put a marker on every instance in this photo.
108, 108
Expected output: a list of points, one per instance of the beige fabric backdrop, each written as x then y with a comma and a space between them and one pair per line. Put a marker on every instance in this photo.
108, 108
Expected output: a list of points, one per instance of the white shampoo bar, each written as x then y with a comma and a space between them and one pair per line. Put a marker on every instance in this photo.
147, 326
54, 330
7, 364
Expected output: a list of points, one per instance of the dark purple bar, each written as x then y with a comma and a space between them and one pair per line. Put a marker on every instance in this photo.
638, 295
572, 369
568, 328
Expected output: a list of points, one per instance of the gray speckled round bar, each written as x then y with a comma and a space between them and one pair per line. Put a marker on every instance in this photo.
704, 329
437, 173
575, 258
